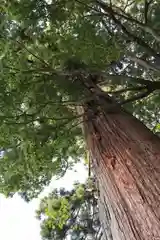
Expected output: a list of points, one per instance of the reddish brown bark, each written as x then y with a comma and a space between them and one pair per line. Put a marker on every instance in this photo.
126, 161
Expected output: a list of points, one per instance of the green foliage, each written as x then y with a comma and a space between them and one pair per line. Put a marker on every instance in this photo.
73, 213
42, 45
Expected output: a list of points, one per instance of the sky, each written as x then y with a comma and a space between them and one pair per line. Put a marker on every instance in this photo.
17, 218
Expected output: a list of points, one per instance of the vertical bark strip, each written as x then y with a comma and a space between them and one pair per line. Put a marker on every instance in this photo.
126, 161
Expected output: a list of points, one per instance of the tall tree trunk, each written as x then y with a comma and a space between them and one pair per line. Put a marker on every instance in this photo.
126, 160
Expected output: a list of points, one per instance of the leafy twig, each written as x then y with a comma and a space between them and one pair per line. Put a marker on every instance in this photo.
128, 4
33, 54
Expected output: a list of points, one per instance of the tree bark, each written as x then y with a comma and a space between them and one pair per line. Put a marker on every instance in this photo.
126, 161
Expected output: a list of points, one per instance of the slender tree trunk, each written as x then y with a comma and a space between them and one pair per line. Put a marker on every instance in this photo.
126, 160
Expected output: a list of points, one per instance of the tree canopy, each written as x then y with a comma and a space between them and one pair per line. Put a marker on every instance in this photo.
70, 213
48, 51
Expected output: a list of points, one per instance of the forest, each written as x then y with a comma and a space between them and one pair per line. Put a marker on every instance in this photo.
80, 82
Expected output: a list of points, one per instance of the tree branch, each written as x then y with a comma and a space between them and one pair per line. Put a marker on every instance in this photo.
151, 87
99, 229
137, 97
120, 79
144, 63
33, 54
127, 90
146, 9
131, 36
143, 26
85, 4
128, 4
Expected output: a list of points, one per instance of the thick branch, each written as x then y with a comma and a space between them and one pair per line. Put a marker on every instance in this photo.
127, 90
137, 97
151, 87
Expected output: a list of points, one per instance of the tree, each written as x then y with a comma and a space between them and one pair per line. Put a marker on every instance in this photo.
70, 213
92, 64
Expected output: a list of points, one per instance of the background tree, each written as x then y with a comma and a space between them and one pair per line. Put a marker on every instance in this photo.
67, 64
70, 213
